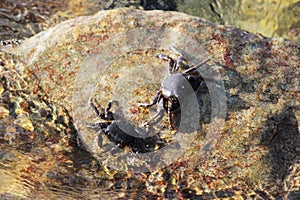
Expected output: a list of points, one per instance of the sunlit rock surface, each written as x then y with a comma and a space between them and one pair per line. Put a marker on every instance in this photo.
47, 80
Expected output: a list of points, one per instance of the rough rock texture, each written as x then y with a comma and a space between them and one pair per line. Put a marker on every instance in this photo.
256, 153
23, 19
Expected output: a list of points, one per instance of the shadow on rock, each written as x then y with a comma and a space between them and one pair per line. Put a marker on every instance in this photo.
282, 138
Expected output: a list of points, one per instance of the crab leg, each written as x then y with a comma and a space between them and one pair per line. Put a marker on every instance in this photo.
96, 111
197, 66
156, 98
108, 107
170, 61
159, 115
179, 60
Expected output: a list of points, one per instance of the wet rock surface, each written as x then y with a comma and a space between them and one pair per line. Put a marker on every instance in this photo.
44, 88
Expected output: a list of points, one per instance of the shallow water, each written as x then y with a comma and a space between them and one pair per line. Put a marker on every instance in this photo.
280, 18
271, 18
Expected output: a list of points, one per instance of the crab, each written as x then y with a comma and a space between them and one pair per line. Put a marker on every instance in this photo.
138, 141
174, 87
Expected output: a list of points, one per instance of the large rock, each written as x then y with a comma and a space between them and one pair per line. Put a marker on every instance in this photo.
249, 146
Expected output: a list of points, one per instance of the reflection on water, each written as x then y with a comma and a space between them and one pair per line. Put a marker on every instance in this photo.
272, 18
268, 17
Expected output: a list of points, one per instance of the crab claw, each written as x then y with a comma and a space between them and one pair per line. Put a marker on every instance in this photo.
163, 57
144, 105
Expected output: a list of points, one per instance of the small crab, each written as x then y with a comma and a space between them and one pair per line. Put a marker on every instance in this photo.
135, 141
174, 87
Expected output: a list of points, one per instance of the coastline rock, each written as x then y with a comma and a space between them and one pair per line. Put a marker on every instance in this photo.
256, 145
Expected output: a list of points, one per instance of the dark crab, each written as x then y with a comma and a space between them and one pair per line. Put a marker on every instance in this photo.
176, 86
136, 141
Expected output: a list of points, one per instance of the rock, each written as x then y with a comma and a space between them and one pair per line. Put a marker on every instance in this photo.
3, 112
24, 122
252, 137
35, 143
